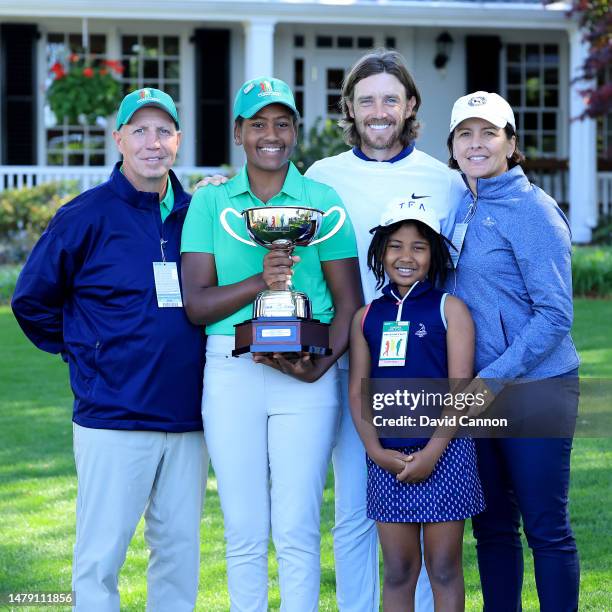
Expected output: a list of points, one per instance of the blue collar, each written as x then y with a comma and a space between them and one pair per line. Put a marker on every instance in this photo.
142, 199
510, 182
391, 291
405, 152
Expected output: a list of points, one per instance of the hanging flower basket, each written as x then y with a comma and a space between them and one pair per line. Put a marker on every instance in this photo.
81, 93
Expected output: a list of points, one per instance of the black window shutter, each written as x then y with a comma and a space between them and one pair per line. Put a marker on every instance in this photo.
482, 55
18, 93
212, 77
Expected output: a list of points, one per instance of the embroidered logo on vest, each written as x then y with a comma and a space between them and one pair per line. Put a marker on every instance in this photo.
421, 331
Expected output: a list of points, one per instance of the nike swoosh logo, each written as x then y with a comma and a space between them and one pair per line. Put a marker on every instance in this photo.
419, 197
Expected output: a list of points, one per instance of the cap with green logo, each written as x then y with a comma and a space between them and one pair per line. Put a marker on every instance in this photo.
257, 93
145, 97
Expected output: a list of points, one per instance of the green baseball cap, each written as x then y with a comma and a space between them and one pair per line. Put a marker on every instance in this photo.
147, 96
260, 92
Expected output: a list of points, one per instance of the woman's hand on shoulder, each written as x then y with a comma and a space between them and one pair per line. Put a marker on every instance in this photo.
215, 179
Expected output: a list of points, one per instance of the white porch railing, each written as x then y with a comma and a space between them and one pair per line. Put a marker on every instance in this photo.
16, 177
553, 183
604, 192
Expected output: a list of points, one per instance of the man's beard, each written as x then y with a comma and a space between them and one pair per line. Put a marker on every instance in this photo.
379, 144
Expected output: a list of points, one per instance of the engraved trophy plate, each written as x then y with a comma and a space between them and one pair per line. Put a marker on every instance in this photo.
282, 319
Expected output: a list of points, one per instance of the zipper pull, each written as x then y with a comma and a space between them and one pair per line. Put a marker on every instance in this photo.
161, 246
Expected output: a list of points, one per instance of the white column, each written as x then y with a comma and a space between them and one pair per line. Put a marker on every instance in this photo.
258, 48
113, 52
582, 151
187, 112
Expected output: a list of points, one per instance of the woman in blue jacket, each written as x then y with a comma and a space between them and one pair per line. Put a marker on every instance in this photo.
514, 273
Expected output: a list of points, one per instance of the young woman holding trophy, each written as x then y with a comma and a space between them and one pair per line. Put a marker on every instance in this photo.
270, 417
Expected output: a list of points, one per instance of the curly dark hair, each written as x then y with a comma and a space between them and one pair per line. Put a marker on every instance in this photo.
376, 62
516, 159
440, 257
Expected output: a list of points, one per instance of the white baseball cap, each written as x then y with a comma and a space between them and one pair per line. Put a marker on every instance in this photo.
410, 208
484, 105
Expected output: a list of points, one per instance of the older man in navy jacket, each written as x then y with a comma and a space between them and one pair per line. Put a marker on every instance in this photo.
101, 287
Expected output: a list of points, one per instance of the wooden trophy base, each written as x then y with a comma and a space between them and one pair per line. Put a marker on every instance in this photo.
282, 335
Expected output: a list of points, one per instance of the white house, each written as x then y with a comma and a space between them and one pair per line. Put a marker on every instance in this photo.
200, 51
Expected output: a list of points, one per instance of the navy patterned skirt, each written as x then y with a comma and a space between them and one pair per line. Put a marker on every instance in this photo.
451, 493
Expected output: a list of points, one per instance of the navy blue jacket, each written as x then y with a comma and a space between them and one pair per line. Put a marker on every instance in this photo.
87, 291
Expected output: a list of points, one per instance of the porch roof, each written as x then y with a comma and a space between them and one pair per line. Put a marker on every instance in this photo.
447, 13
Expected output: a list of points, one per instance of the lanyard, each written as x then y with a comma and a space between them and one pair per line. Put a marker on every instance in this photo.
400, 303
471, 211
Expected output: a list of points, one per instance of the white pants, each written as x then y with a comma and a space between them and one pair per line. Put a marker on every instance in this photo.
355, 538
270, 438
122, 474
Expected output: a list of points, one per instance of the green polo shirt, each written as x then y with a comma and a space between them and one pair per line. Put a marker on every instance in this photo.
167, 203
235, 261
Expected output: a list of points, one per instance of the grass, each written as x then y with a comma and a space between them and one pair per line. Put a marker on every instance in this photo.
38, 488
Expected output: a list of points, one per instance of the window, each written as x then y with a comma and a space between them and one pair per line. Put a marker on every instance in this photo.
334, 79
151, 61
73, 145
531, 84
325, 41
298, 84
345, 42
365, 42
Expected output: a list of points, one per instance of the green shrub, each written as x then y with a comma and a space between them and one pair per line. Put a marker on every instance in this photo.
8, 278
592, 271
25, 213
318, 143
602, 234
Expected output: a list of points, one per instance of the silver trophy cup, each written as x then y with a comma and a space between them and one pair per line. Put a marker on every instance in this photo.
282, 319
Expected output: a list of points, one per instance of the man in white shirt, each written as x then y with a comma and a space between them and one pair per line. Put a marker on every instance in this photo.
379, 105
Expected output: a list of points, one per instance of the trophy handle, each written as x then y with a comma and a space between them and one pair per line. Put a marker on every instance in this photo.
342, 213
229, 230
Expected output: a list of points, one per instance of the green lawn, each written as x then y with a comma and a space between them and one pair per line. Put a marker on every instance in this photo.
38, 487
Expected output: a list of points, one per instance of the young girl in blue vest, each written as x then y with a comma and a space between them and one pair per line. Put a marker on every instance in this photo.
414, 482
